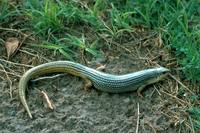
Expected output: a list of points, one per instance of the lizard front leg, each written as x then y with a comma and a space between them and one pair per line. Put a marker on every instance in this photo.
140, 89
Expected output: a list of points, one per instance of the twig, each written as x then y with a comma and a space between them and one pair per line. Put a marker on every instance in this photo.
116, 44
2, 78
18, 64
48, 77
11, 73
25, 37
179, 100
50, 105
149, 124
138, 118
181, 84
24, 50
189, 127
15, 30
175, 117
193, 131
165, 114
83, 57
155, 89
9, 81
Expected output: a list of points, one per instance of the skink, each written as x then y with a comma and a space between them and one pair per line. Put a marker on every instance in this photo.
101, 81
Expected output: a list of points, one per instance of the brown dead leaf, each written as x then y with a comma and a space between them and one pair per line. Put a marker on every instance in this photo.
11, 45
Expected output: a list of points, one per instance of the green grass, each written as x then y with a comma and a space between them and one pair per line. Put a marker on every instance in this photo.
195, 114
7, 13
44, 16
48, 15
64, 46
178, 24
62, 26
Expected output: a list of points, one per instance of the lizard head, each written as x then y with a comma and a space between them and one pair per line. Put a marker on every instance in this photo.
162, 72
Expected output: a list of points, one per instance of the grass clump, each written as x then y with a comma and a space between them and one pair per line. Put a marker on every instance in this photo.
119, 22
64, 46
8, 13
81, 43
44, 15
177, 22
58, 16
53, 19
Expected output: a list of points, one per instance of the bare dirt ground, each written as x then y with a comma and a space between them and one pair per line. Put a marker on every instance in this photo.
162, 110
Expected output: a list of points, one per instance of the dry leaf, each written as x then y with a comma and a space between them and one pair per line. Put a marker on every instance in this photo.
11, 45
101, 67
49, 103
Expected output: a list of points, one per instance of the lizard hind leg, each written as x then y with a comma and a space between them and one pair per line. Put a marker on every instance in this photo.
139, 91
87, 84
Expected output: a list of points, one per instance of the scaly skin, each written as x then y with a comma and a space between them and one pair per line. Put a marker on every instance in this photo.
101, 81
